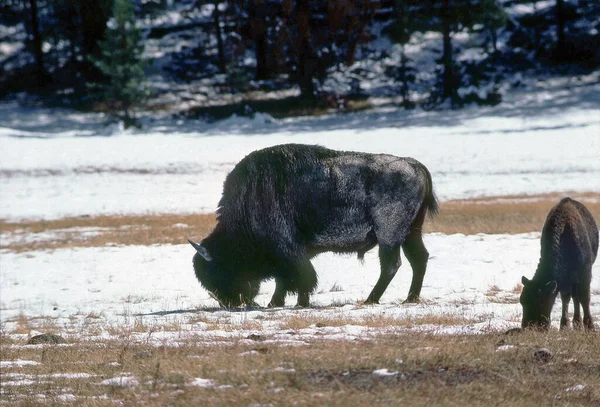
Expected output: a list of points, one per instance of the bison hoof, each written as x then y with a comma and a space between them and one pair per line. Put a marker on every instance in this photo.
370, 302
300, 306
412, 299
276, 305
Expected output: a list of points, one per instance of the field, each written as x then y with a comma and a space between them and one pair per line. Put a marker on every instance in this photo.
415, 369
93, 223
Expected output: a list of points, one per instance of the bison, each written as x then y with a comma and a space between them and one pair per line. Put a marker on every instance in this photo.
569, 248
285, 204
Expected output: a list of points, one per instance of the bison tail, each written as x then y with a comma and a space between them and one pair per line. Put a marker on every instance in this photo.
430, 202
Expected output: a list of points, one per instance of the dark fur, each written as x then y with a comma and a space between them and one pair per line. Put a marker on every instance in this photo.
569, 248
285, 204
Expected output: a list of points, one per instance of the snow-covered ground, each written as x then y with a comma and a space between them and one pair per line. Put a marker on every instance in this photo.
468, 277
59, 163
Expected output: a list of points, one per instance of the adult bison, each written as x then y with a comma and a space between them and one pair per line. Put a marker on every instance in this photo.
569, 248
285, 204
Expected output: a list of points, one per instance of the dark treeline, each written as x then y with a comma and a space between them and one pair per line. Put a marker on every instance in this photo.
75, 49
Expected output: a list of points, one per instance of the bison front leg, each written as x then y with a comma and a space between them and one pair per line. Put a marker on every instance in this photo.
296, 276
278, 299
307, 282
417, 255
389, 258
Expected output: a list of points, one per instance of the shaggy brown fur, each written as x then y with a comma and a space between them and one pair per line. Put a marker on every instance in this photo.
569, 248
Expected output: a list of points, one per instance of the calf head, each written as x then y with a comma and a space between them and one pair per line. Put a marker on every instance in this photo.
220, 276
537, 299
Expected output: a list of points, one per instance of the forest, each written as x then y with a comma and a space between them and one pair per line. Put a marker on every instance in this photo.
247, 55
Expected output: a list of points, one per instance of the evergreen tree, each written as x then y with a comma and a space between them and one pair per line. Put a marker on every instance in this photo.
122, 62
451, 17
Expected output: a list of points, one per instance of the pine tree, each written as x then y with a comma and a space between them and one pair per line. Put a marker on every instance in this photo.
122, 62
451, 17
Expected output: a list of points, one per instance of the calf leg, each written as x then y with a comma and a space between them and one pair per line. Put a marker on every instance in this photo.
584, 298
417, 256
576, 314
576, 311
389, 258
564, 320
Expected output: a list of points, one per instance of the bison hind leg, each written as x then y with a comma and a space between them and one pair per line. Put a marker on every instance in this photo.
418, 256
389, 257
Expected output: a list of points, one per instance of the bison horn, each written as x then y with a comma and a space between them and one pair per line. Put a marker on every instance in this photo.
202, 251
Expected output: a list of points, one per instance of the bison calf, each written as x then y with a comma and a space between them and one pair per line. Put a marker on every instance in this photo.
285, 204
569, 248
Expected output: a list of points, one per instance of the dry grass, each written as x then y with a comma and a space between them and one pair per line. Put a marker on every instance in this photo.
427, 369
508, 214
104, 230
308, 320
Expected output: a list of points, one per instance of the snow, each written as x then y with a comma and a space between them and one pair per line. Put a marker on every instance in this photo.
17, 363
120, 381
200, 382
61, 163
180, 167
384, 373
49, 376
154, 285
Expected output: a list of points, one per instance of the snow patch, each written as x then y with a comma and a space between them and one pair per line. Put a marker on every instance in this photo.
384, 373
120, 381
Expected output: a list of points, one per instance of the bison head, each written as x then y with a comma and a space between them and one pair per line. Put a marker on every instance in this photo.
537, 299
221, 277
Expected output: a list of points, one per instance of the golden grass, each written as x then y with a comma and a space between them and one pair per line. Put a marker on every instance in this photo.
444, 370
308, 320
107, 230
506, 214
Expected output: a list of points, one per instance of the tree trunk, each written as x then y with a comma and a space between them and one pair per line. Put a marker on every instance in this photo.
305, 59
219, 33
403, 79
94, 15
259, 34
494, 37
537, 35
560, 29
37, 41
262, 71
448, 76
